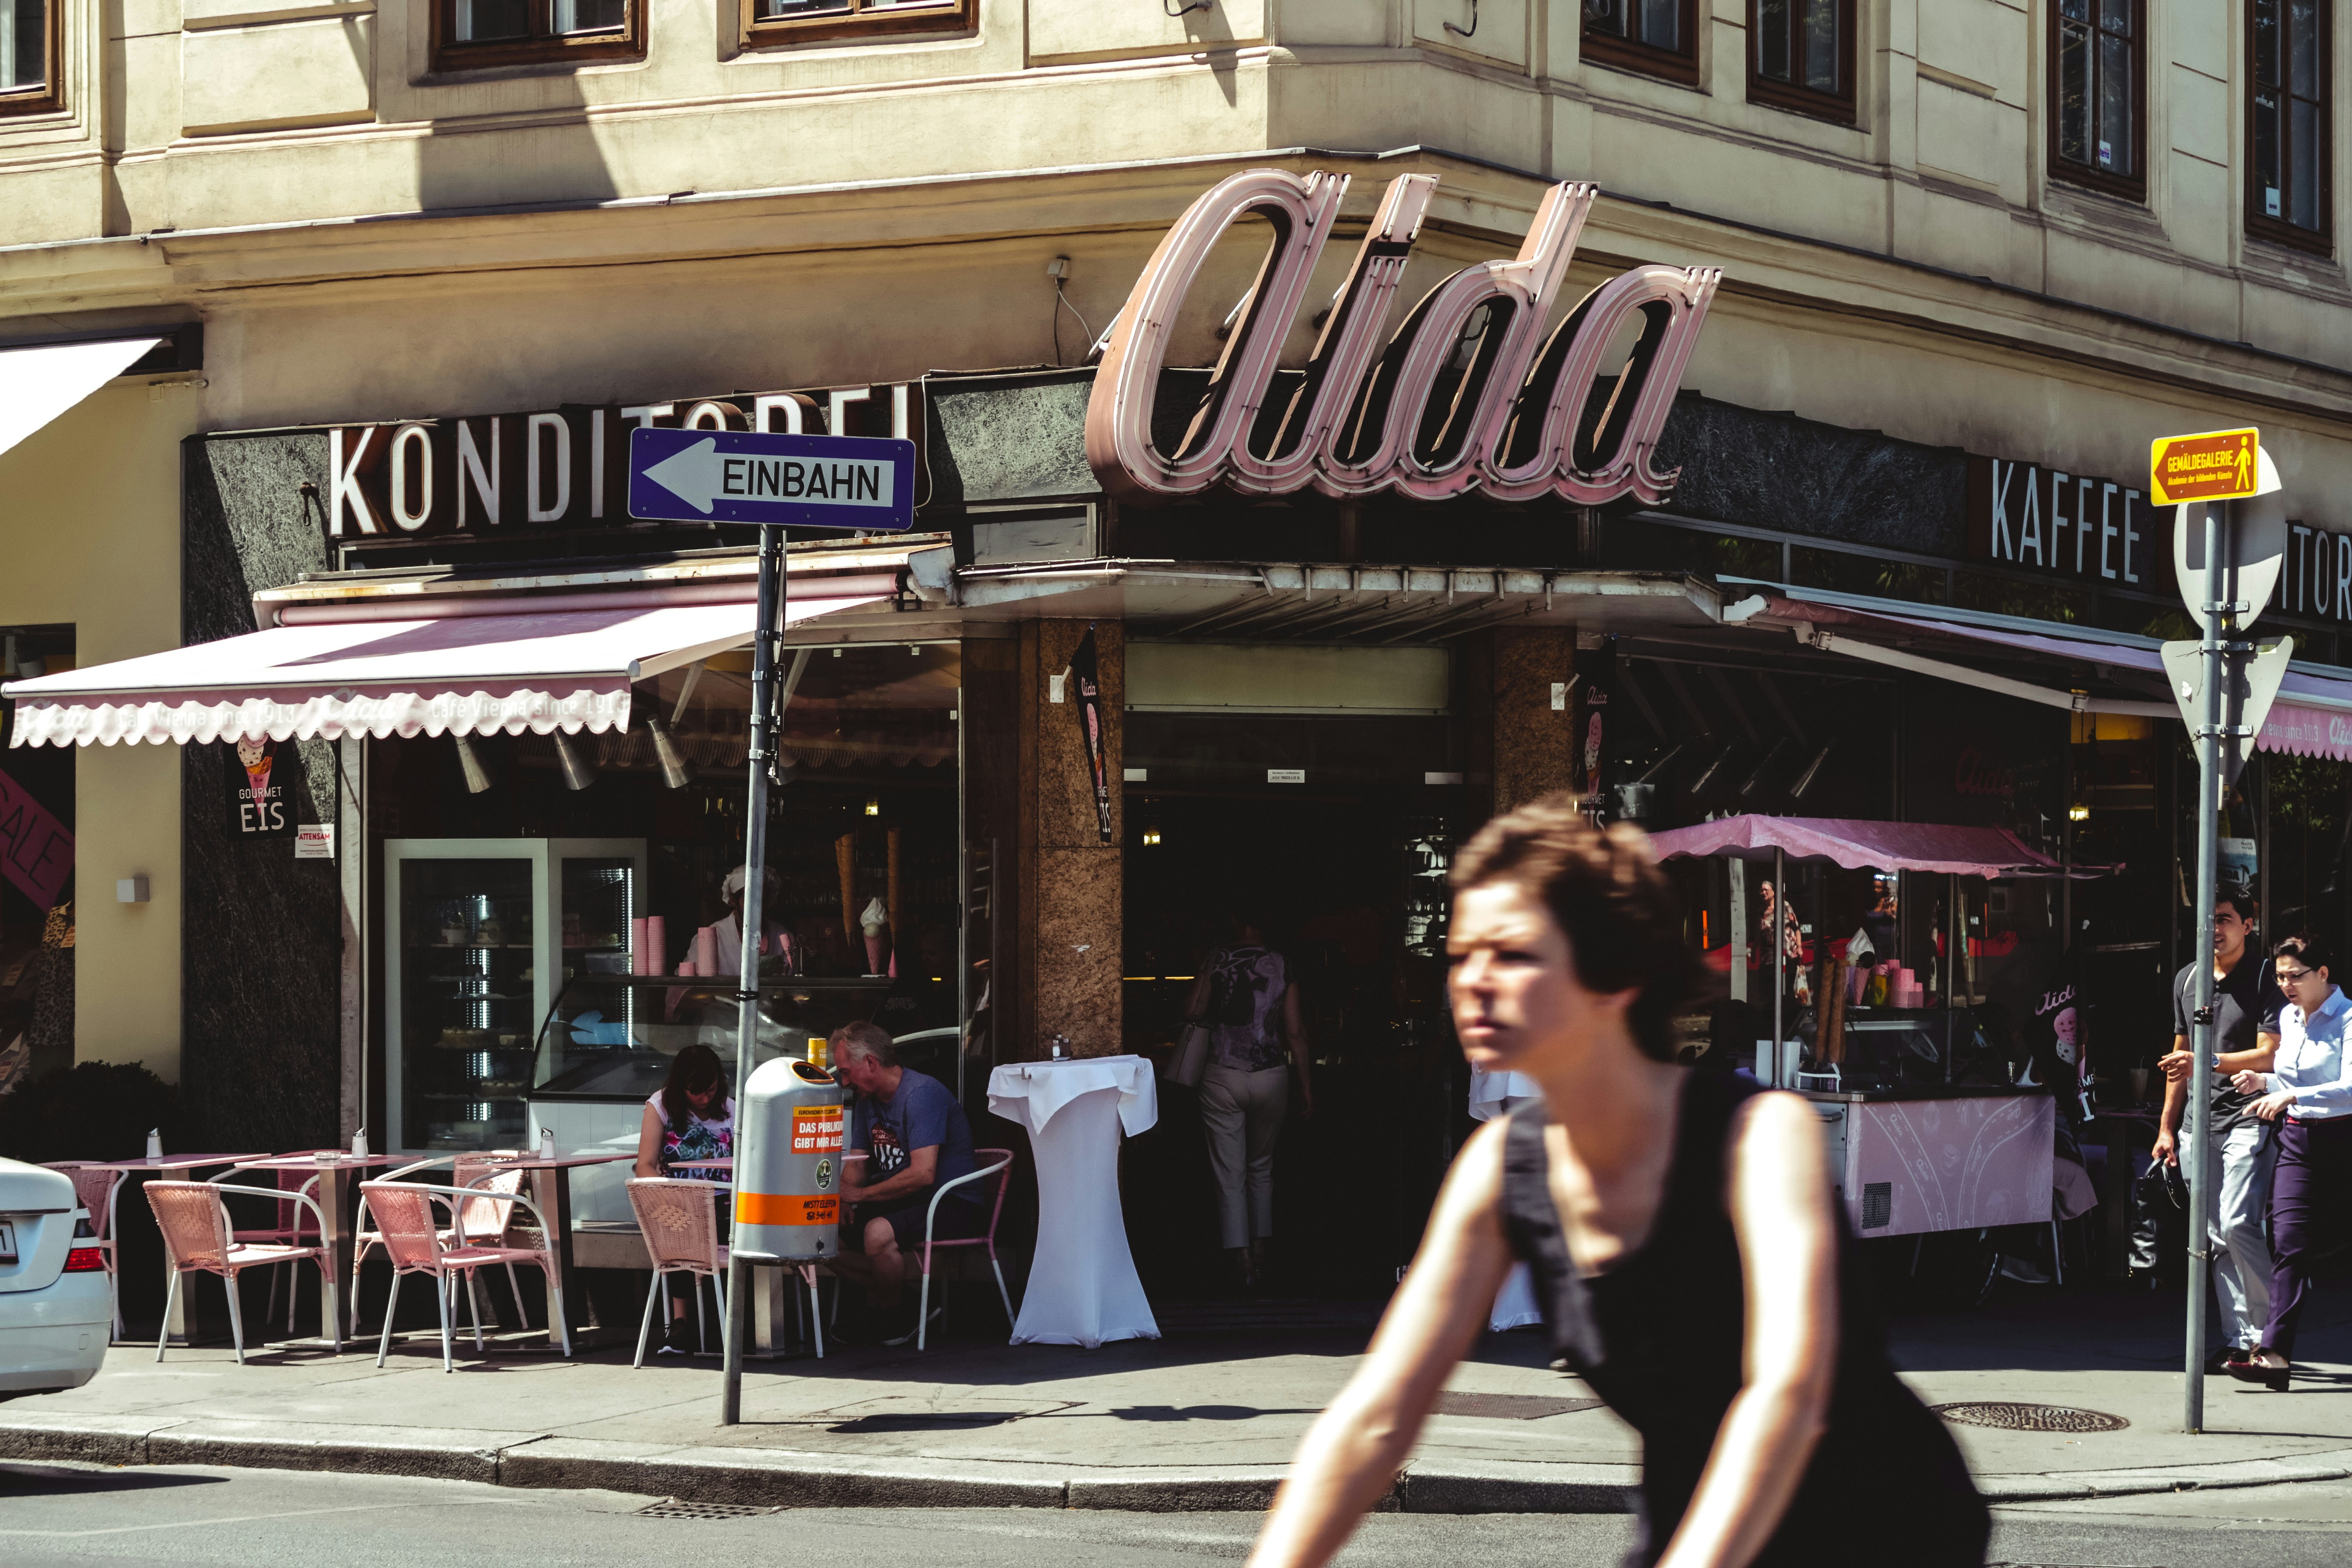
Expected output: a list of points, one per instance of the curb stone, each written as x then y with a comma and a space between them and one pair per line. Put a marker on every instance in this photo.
1213, 1489
1504, 1486
449, 1454
775, 1478
91, 1439
783, 1479
2066, 1485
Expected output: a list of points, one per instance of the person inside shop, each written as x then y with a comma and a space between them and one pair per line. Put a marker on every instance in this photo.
1879, 922
914, 1139
2306, 1096
1257, 1037
691, 1117
1689, 1258
2239, 1148
780, 952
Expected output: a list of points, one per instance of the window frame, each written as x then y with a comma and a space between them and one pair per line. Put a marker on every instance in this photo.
1842, 106
864, 19
1679, 66
2260, 224
2089, 176
50, 96
543, 47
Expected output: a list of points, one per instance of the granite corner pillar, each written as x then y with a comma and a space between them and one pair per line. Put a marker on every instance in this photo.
1071, 906
1534, 741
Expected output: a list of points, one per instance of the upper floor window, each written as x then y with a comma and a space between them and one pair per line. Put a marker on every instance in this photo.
2286, 198
1659, 37
2097, 92
471, 33
29, 56
1802, 56
807, 21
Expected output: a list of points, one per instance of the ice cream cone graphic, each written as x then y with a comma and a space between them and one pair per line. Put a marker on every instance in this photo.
255, 755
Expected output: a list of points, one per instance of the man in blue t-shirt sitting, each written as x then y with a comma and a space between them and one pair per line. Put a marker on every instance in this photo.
916, 1138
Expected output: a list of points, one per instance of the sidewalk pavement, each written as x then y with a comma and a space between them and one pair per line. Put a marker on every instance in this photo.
1204, 1419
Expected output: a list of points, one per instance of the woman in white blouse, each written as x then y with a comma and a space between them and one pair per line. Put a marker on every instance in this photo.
2307, 1096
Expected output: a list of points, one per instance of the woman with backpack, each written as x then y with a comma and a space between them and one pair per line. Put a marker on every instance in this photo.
1257, 1033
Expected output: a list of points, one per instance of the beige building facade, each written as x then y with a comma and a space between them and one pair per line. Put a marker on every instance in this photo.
381, 210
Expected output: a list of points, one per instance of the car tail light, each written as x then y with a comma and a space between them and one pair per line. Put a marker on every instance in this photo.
84, 1260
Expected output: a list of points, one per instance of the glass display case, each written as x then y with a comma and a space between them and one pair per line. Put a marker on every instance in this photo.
610, 1038
482, 935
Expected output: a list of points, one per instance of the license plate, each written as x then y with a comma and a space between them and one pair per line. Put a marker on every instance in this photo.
8, 1242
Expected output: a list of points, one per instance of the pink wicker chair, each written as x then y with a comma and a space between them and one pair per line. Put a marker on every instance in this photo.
482, 1221
409, 1221
1000, 1166
679, 1220
198, 1239
96, 1188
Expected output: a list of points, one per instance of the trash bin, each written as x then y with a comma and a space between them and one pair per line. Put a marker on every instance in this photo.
788, 1162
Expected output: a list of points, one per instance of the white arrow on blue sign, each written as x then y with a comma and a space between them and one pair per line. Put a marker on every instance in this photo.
861, 483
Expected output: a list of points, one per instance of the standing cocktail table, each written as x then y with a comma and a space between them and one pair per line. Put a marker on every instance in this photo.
1083, 1288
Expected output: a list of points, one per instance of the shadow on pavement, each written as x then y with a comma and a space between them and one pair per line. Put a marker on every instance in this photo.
51, 1480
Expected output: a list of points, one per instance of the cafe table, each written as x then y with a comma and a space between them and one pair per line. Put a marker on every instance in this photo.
550, 1190
337, 1195
173, 1168
1083, 1289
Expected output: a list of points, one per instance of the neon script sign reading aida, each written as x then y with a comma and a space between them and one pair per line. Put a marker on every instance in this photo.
1520, 423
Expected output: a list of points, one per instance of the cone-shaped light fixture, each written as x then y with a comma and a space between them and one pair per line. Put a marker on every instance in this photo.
665, 754
478, 772
578, 772
1813, 769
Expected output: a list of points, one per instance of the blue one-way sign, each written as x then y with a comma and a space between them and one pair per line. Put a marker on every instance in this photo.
856, 483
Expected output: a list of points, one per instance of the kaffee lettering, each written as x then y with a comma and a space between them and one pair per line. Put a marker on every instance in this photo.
1516, 425
2070, 525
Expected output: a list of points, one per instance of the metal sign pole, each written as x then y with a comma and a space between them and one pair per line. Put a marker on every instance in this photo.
773, 597
2219, 623
1780, 913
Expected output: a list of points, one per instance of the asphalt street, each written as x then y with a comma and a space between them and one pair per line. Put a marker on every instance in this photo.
69, 1516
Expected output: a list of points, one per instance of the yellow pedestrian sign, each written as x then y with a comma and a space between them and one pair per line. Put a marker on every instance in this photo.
2213, 465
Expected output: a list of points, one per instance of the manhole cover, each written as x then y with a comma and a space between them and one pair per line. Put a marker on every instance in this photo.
1509, 1407
2031, 1417
670, 1508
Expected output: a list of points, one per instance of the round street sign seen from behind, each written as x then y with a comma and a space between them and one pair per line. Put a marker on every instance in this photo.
2253, 548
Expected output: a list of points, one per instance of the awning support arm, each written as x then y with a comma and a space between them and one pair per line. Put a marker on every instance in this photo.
2074, 702
686, 692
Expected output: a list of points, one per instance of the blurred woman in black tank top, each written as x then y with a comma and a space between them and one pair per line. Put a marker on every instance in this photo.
1690, 1260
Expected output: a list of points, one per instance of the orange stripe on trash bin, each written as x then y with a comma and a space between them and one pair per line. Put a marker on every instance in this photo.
777, 1208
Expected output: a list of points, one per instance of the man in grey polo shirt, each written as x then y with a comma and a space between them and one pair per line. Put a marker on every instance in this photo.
2240, 1148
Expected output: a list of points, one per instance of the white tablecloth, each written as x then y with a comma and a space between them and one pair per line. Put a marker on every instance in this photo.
1083, 1288
1491, 1094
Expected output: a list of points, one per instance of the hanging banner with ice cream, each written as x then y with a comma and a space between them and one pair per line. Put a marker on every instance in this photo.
260, 790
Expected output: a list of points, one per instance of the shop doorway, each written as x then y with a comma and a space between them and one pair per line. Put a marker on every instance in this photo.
1347, 871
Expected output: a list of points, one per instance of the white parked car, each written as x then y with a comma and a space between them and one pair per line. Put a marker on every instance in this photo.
55, 1312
